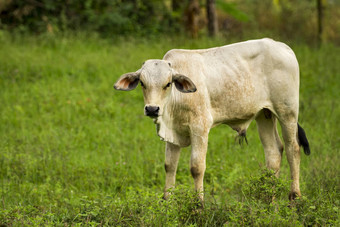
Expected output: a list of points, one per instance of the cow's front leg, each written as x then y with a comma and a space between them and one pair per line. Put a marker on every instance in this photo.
199, 145
172, 153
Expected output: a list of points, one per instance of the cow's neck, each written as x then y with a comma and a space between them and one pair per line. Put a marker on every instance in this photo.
168, 130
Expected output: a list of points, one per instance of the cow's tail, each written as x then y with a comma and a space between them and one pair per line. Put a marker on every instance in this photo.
303, 140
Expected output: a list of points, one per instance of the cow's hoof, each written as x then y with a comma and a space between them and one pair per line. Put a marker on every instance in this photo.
198, 208
293, 195
199, 204
166, 196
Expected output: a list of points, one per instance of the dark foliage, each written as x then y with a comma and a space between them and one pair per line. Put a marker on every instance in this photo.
108, 17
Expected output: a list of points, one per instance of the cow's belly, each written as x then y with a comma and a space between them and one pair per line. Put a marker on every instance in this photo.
233, 113
238, 112
238, 122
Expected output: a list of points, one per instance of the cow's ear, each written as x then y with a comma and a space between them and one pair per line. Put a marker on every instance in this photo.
127, 82
183, 83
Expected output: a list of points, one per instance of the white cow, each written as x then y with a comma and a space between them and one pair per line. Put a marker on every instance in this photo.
233, 85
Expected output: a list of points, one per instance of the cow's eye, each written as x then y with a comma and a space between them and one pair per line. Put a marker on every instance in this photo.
142, 84
168, 85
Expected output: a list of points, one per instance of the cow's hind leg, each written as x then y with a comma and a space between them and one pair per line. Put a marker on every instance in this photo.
266, 125
288, 116
289, 133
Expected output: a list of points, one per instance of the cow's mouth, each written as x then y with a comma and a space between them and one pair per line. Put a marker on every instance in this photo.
155, 120
152, 115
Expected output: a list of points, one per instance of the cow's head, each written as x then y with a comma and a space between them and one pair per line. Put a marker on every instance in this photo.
156, 78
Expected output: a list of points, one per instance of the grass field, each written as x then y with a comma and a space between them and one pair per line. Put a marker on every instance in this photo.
75, 152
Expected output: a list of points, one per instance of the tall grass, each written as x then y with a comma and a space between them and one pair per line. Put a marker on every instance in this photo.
74, 151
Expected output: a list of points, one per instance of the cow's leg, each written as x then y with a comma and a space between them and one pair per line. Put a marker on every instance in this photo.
272, 145
172, 153
289, 133
199, 145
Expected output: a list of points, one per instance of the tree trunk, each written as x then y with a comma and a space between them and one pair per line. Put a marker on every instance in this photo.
320, 18
192, 17
212, 17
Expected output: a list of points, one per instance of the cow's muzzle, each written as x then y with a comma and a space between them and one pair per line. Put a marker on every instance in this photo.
152, 111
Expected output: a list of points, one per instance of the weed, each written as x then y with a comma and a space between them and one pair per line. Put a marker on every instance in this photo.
265, 187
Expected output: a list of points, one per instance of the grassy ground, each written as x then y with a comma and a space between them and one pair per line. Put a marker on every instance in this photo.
73, 151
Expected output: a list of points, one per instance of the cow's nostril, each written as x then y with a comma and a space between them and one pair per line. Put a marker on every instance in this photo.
152, 111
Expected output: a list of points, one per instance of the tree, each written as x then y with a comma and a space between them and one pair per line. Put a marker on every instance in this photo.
192, 13
212, 17
320, 17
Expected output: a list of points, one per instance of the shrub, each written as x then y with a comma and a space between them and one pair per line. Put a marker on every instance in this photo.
107, 17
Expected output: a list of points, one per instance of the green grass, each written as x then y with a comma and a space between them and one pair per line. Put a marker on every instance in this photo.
73, 151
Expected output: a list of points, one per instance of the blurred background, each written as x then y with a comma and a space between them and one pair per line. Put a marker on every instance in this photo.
75, 152
310, 21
